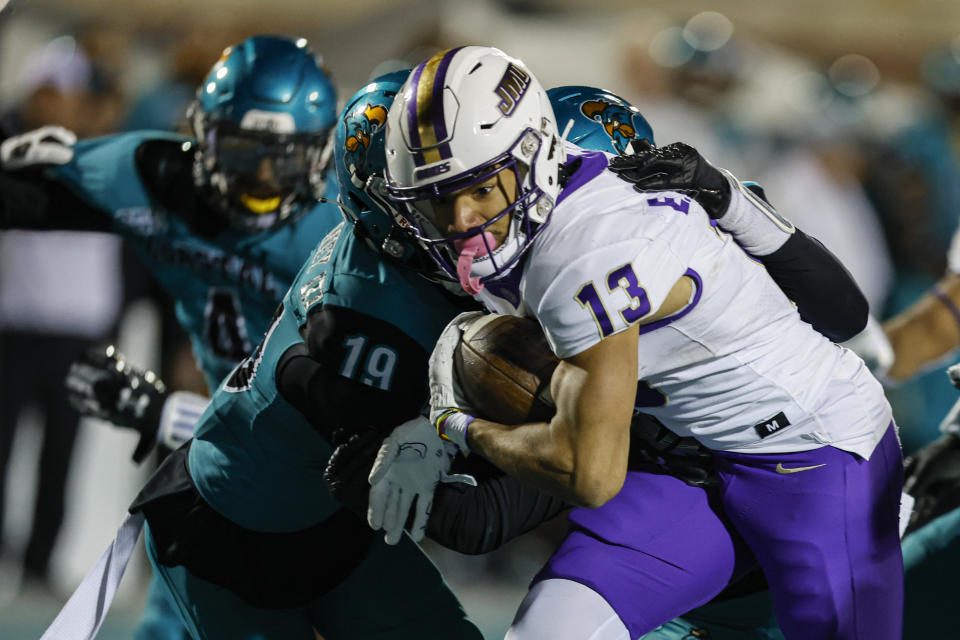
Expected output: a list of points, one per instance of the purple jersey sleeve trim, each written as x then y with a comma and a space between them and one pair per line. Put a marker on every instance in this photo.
662, 322
593, 163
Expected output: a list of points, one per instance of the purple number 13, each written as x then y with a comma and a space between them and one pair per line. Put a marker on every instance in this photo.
620, 278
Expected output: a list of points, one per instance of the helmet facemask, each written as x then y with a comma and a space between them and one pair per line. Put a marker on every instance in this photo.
262, 119
528, 209
258, 179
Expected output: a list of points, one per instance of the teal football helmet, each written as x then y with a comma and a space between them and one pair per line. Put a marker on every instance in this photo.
602, 121
262, 119
360, 161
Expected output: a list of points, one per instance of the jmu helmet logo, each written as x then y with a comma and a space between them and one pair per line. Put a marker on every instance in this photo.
361, 126
615, 119
512, 86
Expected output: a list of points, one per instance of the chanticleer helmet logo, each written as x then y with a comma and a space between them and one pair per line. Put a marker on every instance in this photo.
615, 119
361, 126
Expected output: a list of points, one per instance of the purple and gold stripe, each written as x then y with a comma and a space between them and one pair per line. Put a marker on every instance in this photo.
425, 118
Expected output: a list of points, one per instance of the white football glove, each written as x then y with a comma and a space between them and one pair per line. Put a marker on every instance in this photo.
449, 412
412, 460
49, 145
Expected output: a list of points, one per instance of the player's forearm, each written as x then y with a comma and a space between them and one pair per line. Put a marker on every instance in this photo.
537, 454
29, 201
331, 401
923, 334
825, 293
481, 519
580, 455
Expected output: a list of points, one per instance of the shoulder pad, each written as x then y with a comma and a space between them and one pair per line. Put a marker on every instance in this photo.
166, 169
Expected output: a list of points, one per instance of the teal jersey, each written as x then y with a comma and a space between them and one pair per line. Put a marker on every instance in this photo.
226, 286
258, 459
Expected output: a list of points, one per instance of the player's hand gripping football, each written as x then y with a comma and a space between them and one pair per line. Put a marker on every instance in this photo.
410, 464
448, 410
104, 385
49, 145
675, 167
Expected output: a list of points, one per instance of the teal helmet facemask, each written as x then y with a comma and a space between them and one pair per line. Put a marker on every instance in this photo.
262, 119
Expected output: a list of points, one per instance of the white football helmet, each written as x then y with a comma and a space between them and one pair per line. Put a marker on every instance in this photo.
461, 117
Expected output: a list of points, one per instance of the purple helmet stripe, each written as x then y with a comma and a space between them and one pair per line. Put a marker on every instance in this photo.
439, 122
413, 85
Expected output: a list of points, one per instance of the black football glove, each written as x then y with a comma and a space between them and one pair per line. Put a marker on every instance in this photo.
349, 467
656, 449
104, 385
933, 479
674, 167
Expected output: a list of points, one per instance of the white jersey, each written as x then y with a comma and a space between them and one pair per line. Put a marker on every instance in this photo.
737, 368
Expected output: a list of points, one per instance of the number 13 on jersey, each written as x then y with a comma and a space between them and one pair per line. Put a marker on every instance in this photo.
623, 278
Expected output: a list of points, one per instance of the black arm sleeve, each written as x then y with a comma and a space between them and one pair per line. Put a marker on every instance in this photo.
479, 519
466, 519
309, 375
30, 201
822, 288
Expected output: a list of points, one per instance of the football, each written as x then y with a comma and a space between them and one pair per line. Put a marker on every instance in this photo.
503, 365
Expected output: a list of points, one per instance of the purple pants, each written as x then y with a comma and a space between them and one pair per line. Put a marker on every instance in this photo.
826, 538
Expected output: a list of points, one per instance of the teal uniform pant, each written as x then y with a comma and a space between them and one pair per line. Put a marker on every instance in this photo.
160, 620
396, 593
931, 557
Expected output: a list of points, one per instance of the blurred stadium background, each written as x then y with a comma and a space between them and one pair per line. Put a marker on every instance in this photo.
848, 113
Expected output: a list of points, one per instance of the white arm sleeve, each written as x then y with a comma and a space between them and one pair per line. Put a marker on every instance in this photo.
756, 225
179, 417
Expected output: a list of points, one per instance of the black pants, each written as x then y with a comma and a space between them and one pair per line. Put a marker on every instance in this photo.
32, 370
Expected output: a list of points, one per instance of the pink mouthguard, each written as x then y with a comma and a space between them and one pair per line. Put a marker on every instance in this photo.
469, 249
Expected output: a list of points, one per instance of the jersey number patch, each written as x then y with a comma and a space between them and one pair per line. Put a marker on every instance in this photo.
241, 379
378, 363
226, 329
625, 279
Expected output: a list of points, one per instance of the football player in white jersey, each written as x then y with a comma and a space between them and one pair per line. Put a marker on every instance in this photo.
632, 286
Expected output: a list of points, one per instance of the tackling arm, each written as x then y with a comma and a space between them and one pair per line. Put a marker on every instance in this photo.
352, 371
825, 293
28, 200
927, 331
466, 518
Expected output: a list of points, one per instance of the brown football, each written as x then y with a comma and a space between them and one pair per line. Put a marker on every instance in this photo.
503, 365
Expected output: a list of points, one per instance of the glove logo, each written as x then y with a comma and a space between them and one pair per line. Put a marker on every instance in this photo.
419, 448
